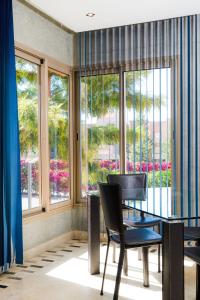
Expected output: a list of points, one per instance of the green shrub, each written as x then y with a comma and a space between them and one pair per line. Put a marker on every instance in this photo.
159, 178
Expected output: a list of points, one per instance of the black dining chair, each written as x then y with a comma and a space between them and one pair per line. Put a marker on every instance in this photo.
194, 254
111, 200
192, 234
134, 188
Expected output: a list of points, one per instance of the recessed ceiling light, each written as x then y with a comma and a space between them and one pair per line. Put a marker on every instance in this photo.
90, 14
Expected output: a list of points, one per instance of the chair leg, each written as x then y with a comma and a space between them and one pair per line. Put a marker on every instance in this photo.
104, 272
197, 281
159, 259
145, 259
139, 254
159, 270
114, 252
125, 264
119, 271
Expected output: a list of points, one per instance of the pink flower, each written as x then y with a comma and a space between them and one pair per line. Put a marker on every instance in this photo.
150, 167
139, 167
156, 166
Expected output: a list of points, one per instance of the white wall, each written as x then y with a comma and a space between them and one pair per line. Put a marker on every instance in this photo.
38, 33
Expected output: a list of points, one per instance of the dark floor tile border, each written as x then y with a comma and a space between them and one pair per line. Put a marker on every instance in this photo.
66, 250
28, 271
22, 266
36, 266
51, 251
15, 278
48, 260
74, 246
2, 286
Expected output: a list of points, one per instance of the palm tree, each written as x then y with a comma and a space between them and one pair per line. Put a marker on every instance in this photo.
99, 99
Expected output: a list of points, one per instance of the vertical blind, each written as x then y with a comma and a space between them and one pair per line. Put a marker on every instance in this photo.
148, 132
171, 46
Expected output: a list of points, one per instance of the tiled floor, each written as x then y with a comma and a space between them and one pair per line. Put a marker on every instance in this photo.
62, 273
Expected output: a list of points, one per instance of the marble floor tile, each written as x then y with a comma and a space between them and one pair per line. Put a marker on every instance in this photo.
64, 275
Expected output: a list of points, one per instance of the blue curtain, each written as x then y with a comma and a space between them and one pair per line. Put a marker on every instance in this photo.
11, 244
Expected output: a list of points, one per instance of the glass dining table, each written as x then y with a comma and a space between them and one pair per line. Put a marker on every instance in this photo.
172, 240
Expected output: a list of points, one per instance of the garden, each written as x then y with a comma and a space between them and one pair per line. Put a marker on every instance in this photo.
158, 174
58, 176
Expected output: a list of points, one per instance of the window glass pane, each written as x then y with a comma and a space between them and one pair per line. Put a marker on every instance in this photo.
28, 91
99, 129
58, 121
148, 130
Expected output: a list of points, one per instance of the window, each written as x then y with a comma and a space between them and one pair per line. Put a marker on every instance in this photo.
28, 90
146, 146
44, 129
58, 123
148, 129
99, 129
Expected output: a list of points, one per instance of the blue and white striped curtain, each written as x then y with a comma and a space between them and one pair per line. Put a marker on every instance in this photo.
174, 44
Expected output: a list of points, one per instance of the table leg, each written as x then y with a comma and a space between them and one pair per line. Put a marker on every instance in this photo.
93, 234
173, 261
197, 281
198, 276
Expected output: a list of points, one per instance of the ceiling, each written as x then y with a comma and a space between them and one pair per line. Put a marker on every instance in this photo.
110, 13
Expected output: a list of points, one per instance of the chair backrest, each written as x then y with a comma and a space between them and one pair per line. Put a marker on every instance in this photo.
133, 185
111, 201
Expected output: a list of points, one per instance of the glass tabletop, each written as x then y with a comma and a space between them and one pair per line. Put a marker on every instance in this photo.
155, 206
162, 209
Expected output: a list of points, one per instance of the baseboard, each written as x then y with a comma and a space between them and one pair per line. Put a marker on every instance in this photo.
76, 234
80, 235
83, 235
47, 245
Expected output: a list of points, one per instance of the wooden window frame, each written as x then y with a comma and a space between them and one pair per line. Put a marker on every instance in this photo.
80, 200
45, 62
59, 72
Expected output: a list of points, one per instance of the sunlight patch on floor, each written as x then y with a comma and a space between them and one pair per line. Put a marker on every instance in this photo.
75, 270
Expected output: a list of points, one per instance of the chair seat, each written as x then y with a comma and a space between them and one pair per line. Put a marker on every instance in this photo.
193, 253
138, 237
192, 233
141, 221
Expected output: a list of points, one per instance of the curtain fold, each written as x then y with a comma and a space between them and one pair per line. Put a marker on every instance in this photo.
174, 44
11, 244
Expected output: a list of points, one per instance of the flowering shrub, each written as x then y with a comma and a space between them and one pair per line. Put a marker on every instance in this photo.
109, 164
158, 174
139, 167
58, 176
56, 164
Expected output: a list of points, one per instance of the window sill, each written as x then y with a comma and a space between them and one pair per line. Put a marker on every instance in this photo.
39, 215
